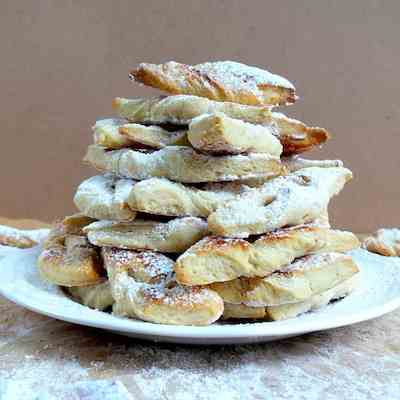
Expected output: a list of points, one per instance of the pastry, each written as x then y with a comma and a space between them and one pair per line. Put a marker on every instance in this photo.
295, 136
154, 136
385, 242
96, 296
105, 197
15, 237
114, 133
143, 286
291, 310
181, 109
182, 164
294, 199
219, 134
216, 259
220, 80
294, 163
306, 277
173, 236
106, 133
164, 197
69, 260
241, 311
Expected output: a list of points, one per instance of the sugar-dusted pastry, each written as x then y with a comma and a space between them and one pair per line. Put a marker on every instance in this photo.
164, 197
296, 137
241, 311
216, 259
16, 237
294, 163
70, 260
385, 242
173, 236
182, 164
106, 133
117, 133
291, 310
143, 286
219, 134
181, 109
304, 278
105, 197
96, 296
219, 80
153, 136
290, 200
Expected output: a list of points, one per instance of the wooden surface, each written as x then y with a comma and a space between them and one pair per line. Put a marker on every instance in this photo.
39, 355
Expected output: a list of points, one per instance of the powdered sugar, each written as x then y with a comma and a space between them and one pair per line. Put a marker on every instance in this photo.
21, 238
311, 261
290, 200
182, 164
236, 76
105, 197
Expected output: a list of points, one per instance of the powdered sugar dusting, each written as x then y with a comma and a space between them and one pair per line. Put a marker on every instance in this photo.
312, 261
294, 199
105, 197
236, 76
21, 238
154, 264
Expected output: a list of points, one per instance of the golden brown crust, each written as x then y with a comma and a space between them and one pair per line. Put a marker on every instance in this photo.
221, 81
296, 137
70, 260
306, 277
385, 242
143, 286
215, 259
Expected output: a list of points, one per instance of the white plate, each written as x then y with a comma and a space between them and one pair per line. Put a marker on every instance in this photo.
378, 294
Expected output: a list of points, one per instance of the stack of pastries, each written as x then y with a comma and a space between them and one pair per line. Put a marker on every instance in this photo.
203, 208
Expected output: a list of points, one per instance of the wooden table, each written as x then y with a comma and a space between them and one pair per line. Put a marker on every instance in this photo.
39, 355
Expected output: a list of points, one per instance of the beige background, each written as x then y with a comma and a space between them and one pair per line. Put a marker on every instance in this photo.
62, 62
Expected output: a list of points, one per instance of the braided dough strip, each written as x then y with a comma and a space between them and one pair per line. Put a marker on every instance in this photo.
182, 164
67, 258
221, 81
294, 199
306, 277
181, 109
385, 242
219, 134
15, 237
114, 133
174, 236
291, 310
117, 199
96, 296
294, 163
295, 136
215, 259
105, 197
143, 286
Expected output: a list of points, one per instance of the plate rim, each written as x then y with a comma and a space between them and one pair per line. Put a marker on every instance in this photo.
222, 332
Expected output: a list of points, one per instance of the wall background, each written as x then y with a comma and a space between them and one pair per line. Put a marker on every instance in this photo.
62, 62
